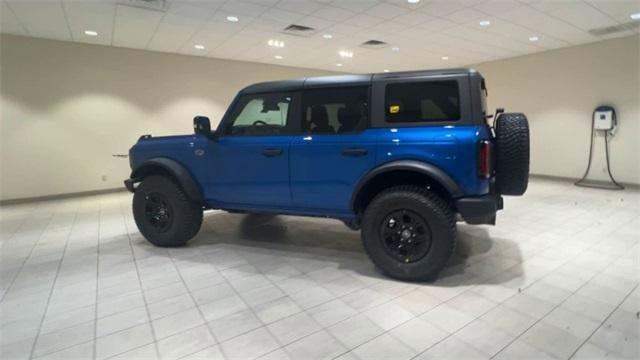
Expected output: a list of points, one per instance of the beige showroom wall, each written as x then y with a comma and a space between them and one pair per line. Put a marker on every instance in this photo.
67, 107
558, 91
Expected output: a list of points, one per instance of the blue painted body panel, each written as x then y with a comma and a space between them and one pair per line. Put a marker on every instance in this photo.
311, 176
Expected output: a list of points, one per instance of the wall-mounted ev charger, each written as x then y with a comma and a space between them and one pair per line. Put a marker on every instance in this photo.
604, 119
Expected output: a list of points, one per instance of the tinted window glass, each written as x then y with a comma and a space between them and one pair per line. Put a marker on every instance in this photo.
335, 111
263, 114
423, 101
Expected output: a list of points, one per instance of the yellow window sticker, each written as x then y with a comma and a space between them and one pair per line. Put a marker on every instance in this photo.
394, 109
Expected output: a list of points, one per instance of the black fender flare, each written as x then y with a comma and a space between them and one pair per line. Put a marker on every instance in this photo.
421, 167
174, 169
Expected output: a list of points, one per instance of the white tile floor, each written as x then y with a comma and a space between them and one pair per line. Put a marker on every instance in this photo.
557, 278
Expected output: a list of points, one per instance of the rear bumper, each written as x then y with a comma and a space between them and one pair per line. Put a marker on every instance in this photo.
128, 183
479, 209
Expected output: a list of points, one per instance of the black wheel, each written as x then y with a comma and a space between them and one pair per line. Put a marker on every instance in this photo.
409, 233
512, 154
163, 213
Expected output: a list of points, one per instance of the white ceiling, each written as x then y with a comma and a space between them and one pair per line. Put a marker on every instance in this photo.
423, 32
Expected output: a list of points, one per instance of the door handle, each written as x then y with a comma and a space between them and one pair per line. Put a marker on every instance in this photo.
354, 152
272, 152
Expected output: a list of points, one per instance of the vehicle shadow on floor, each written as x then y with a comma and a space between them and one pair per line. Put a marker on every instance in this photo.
478, 258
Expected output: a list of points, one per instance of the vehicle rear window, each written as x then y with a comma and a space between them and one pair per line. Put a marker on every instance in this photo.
425, 101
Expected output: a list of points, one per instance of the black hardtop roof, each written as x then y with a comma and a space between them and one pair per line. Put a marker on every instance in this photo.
347, 80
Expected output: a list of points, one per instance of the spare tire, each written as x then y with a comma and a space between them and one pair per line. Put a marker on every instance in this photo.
512, 153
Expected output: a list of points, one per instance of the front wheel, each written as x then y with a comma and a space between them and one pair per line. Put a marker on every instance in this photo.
163, 213
409, 233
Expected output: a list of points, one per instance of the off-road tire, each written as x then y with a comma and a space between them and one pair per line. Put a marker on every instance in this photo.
186, 215
435, 212
512, 153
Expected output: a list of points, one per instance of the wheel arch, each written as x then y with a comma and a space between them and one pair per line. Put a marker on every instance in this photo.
402, 172
173, 169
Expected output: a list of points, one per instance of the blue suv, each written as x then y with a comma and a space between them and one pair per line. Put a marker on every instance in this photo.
402, 156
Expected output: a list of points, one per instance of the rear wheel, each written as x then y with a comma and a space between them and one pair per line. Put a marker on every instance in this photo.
163, 213
409, 233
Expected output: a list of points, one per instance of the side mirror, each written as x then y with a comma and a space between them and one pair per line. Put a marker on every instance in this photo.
202, 125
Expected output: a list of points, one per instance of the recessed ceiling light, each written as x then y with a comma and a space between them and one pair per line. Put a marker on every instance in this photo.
232, 18
345, 54
386, 70
276, 43
395, 48
327, 36
485, 23
533, 38
90, 33
635, 16
199, 46
413, 1
445, 58
279, 57
338, 64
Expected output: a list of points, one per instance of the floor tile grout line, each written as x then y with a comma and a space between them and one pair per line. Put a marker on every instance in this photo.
95, 315
562, 302
445, 302
541, 318
53, 285
602, 323
204, 319
33, 246
144, 297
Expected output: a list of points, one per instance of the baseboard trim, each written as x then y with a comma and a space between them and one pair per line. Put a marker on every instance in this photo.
60, 196
627, 185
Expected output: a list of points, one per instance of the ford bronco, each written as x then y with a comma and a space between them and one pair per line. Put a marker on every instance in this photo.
402, 156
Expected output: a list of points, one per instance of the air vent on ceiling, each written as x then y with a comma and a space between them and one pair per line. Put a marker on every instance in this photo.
157, 5
374, 44
299, 30
608, 30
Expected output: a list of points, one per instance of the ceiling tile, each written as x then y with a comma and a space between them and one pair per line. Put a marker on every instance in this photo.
582, 16
547, 25
9, 23
45, 19
497, 6
386, 11
364, 20
413, 18
134, 27
240, 8
316, 22
441, 7
465, 16
280, 15
357, 6
94, 16
301, 7
620, 10
332, 13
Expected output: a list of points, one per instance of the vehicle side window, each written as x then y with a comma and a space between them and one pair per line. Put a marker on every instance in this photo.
335, 110
261, 114
424, 101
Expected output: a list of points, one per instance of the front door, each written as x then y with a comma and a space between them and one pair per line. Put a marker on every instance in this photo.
250, 157
333, 152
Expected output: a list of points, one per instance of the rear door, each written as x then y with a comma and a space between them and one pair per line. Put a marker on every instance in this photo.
333, 151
